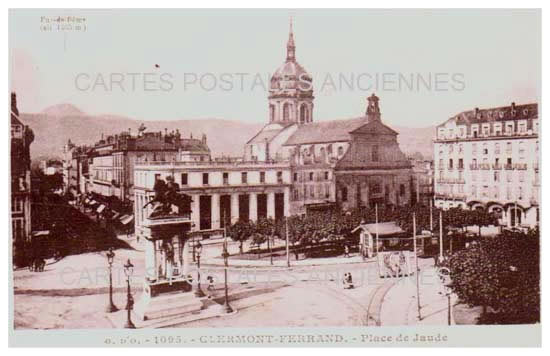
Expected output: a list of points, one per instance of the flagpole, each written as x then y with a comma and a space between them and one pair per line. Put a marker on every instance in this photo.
376, 211
417, 270
287, 243
431, 217
441, 235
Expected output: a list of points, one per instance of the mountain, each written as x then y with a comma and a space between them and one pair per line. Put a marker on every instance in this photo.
62, 110
55, 125
412, 139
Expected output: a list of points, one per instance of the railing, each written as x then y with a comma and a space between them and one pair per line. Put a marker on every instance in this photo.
474, 167
451, 180
213, 163
461, 197
497, 166
520, 166
508, 167
485, 166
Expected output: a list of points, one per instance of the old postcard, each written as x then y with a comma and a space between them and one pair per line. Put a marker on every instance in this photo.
275, 177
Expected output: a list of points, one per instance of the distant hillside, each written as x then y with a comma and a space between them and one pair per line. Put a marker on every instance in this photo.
412, 139
56, 124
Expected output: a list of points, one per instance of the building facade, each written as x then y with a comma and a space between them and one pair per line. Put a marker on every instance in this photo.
107, 167
490, 159
21, 138
222, 192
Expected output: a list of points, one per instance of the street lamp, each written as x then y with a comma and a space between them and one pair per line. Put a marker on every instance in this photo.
128, 271
225, 255
198, 292
111, 307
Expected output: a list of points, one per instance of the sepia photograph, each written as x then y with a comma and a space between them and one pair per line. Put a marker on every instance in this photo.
351, 177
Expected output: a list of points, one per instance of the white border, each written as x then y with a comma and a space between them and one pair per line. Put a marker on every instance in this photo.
288, 4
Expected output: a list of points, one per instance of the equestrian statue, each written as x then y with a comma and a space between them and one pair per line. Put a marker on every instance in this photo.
167, 195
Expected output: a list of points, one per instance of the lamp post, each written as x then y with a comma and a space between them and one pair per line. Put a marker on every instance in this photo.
128, 271
111, 307
198, 292
226, 306
445, 277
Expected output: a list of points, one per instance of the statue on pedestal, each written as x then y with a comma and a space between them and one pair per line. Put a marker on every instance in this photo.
167, 195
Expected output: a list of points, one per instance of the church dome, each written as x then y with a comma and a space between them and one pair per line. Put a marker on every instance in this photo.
291, 75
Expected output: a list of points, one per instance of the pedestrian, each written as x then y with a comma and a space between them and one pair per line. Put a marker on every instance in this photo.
346, 250
347, 281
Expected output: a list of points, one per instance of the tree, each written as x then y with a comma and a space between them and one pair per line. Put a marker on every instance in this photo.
240, 231
502, 273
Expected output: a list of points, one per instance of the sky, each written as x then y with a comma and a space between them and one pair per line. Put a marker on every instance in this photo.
424, 65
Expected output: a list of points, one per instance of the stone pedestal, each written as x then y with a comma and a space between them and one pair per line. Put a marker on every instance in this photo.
167, 290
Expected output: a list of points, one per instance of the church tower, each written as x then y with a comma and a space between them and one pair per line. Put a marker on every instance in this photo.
373, 109
291, 90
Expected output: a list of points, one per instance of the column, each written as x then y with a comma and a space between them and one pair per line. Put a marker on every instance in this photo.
195, 212
187, 257
287, 201
271, 205
215, 208
234, 208
253, 207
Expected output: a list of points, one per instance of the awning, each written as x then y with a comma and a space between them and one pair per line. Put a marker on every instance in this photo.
101, 208
126, 219
384, 228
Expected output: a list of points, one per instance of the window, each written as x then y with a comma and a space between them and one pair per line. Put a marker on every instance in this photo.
521, 149
474, 191
279, 177
497, 176
460, 163
262, 176
522, 127
440, 163
460, 148
474, 148
205, 178
521, 176
326, 175
286, 112
375, 153
402, 190
450, 163
498, 129
303, 114
295, 177
344, 192
184, 179
310, 176
225, 178
508, 147
485, 149
244, 178
451, 148
340, 151
497, 148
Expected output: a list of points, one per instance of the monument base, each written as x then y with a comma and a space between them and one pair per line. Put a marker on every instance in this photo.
155, 305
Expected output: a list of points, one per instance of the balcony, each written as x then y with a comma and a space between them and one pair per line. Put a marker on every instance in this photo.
451, 180
474, 167
485, 166
448, 196
497, 166
520, 166
509, 167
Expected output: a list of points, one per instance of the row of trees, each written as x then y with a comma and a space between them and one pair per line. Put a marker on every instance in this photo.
311, 229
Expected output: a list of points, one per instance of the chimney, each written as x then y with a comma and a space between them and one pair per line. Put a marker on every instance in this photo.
14, 104
513, 106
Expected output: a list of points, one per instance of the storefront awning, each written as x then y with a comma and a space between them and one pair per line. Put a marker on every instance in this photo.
384, 228
126, 219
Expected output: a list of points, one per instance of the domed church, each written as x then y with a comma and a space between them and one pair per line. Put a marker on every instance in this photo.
354, 162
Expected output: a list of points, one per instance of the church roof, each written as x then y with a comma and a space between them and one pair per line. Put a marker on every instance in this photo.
325, 131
